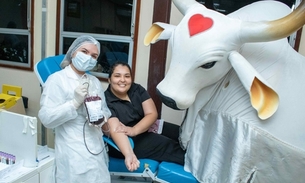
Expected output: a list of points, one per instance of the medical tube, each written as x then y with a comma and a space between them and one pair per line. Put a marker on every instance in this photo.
7, 158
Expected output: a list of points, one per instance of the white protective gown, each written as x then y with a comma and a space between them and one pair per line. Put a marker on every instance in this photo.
73, 162
226, 141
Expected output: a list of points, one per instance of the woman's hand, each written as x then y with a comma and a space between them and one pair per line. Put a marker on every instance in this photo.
129, 131
131, 161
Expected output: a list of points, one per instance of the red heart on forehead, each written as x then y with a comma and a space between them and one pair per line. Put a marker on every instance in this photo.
198, 23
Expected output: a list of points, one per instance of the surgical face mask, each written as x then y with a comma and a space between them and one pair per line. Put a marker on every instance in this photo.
83, 62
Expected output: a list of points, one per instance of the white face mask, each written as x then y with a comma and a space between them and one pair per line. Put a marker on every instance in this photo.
83, 62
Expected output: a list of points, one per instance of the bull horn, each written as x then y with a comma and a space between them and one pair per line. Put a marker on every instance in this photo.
276, 29
184, 5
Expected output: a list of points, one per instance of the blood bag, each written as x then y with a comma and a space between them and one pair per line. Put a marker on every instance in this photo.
93, 103
93, 107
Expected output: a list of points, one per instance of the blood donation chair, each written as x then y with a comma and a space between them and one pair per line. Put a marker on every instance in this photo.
149, 170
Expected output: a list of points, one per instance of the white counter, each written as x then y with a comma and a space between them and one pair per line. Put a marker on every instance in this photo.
17, 173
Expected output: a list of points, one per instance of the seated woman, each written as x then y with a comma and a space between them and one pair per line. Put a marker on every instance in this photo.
133, 113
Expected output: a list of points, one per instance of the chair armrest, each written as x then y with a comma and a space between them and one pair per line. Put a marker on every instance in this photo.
109, 141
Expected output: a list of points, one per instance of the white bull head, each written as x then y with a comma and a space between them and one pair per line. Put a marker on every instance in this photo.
205, 46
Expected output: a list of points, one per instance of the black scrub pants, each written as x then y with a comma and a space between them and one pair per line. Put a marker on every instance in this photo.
164, 147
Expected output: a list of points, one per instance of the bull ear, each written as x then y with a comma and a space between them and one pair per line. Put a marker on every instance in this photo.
158, 31
263, 98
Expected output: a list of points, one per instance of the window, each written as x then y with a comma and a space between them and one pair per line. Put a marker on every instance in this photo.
111, 22
15, 34
229, 6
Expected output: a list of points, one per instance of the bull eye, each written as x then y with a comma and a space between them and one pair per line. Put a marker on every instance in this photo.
208, 65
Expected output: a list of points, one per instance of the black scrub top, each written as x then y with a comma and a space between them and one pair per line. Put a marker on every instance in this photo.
129, 113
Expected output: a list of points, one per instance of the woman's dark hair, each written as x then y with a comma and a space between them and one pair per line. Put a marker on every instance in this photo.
113, 66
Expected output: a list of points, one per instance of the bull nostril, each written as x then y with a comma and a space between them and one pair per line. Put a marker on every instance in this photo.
167, 101
227, 84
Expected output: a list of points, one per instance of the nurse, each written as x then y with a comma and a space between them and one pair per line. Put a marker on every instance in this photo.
80, 154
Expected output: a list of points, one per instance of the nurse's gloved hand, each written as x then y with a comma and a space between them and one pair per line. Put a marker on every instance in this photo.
80, 94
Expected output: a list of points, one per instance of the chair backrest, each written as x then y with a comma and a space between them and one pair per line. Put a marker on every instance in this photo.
47, 66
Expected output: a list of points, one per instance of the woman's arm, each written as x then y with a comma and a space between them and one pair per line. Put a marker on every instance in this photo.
150, 116
122, 141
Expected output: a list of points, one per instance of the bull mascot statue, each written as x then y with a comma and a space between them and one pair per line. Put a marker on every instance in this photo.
243, 87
